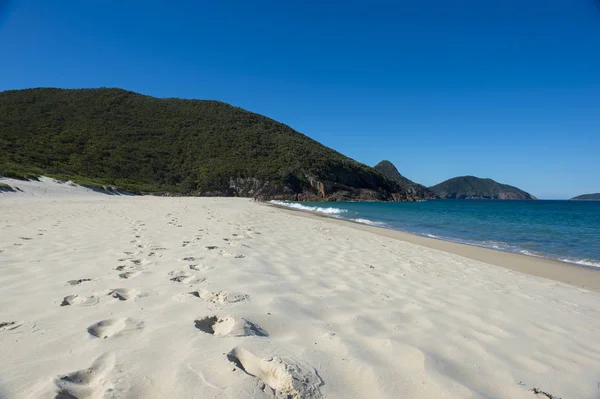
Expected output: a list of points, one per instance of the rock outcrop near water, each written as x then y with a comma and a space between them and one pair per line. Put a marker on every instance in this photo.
414, 190
471, 187
128, 141
587, 197
6, 188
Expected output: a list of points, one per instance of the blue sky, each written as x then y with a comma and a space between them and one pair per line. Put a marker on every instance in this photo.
502, 89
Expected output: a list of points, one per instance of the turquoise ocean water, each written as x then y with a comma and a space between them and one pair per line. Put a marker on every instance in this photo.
568, 231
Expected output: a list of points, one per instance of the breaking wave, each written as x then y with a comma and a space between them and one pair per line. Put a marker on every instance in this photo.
326, 210
582, 262
369, 222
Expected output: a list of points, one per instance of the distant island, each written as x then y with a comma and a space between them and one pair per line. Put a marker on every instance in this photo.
122, 139
587, 197
471, 187
414, 190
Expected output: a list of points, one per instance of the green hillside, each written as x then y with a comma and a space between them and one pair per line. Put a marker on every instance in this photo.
471, 187
145, 144
587, 197
413, 189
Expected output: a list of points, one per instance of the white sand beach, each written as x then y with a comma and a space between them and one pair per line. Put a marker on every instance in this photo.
148, 297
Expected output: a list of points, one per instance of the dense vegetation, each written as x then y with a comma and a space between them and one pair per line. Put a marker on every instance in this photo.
144, 144
471, 187
413, 189
588, 197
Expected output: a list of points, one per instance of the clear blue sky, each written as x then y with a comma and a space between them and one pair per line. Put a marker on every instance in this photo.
503, 89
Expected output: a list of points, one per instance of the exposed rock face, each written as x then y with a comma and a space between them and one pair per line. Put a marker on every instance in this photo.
316, 190
317, 185
471, 187
587, 197
6, 188
413, 190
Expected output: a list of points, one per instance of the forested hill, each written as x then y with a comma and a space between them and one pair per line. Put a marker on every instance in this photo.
587, 197
413, 189
195, 147
471, 187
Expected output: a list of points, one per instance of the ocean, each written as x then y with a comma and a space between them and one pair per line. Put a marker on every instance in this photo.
567, 231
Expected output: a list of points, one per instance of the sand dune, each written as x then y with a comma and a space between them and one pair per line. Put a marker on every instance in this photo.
144, 297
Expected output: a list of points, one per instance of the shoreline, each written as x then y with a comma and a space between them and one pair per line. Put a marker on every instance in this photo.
568, 273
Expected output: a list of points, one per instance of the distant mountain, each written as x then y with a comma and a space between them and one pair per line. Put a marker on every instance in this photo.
587, 197
414, 190
471, 187
113, 137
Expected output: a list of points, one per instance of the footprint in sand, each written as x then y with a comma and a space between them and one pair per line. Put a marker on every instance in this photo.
106, 328
199, 268
79, 300
87, 383
79, 281
187, 297
124, 294
110, 327
222, 297
128, 268
185, 277
281, 377
128, 275
229, 327
131, 261
227, 254
10, 325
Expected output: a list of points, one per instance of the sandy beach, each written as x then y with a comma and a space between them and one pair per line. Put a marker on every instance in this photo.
150, 297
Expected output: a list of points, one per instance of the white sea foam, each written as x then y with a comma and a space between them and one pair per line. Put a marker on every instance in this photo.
583, 262
529, 253
500, 246
368, 222
327, 210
